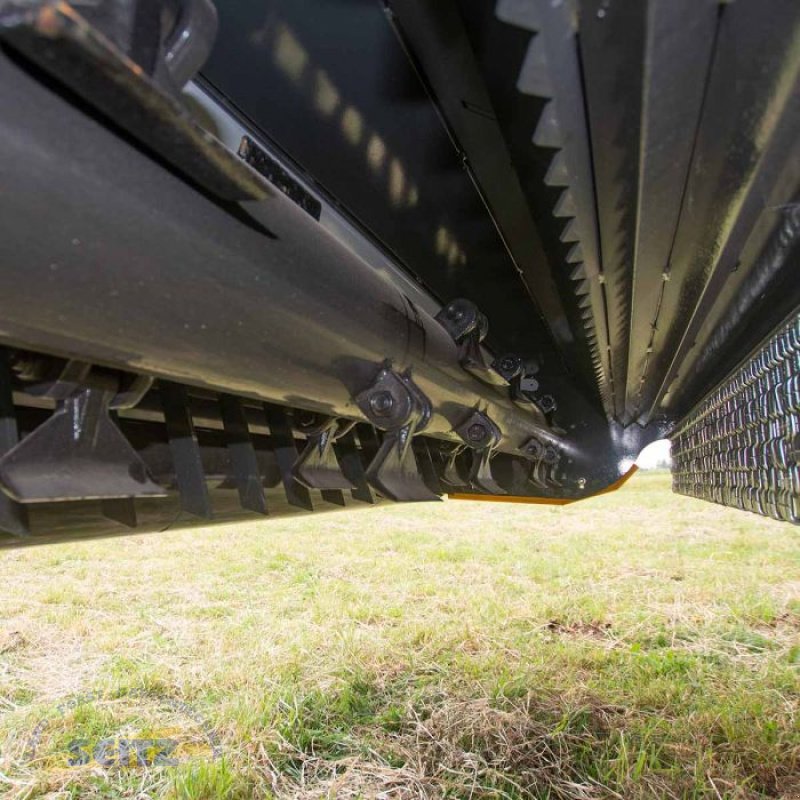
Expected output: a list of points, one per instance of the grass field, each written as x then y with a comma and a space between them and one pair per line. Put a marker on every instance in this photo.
635, 645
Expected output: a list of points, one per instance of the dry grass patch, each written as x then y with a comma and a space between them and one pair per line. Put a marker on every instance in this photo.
639, 645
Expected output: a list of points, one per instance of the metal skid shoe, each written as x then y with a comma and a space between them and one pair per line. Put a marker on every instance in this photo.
395, 404
78, 453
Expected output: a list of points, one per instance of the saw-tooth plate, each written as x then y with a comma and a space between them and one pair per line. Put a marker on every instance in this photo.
557, 172
548, 131
534, 77
522, 13
571, 232
575, 255
578, 272
551, 70
565, 207
582, 287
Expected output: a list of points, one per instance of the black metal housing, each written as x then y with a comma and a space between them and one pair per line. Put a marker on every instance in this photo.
562, 224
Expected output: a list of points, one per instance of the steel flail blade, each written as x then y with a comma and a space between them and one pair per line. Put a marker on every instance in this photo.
244, 464
395, 404
185, 450
13, 516
317, 467
394, 471
285, 450
349, 456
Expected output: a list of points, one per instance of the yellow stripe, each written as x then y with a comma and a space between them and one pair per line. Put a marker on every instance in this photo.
547, 501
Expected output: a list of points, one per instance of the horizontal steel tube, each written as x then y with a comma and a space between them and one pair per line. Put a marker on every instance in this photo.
108, 256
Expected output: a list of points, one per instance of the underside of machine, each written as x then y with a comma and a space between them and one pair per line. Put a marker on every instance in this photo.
303, 254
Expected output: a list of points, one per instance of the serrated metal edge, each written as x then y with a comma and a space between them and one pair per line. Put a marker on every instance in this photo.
538, 77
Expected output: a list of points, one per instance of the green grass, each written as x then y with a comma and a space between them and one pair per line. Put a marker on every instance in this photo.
636, 645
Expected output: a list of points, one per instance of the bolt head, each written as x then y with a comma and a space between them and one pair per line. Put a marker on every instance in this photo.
381, 404
476, 432
535, 448
550, 455
508, 364
547, 403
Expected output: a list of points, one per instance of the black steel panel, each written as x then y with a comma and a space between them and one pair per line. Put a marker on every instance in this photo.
435, 37
678, 48
751, 97
139, 270
330, 83
645, 67
749, 305
612, 44
502, 50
